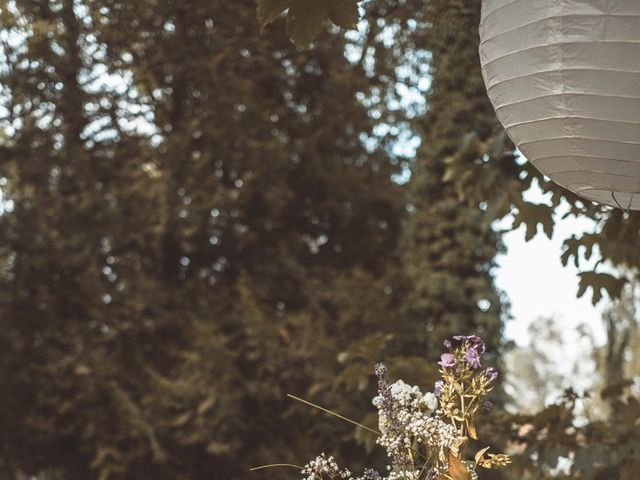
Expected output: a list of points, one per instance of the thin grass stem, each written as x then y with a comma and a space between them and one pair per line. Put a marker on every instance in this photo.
306, 402
261, 467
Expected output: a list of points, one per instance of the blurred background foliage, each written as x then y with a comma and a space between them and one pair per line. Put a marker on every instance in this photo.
199, 216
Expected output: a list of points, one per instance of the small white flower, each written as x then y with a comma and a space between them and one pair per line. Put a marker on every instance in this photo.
400, 388
431, 400
382, 422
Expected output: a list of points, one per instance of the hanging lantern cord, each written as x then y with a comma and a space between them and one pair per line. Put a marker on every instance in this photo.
624, 210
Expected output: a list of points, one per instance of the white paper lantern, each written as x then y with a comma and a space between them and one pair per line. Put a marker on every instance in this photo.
564, 79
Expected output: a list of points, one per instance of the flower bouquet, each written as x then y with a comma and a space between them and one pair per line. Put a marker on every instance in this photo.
425, 435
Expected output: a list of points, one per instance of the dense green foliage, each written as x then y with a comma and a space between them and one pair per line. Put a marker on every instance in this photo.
451, 246
305, 18
483, 167
198, 219
188, 238
486, 175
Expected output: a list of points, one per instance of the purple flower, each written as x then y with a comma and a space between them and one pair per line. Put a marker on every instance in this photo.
491, 373
447, 344
474, 341
478, 343
437, 391
447, 360
371, 474
473, 358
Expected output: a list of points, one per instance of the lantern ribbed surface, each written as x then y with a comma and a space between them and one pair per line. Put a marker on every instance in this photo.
564, 79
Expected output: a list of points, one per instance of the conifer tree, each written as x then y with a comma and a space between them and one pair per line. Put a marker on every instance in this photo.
450, 247
195, 228
199, 218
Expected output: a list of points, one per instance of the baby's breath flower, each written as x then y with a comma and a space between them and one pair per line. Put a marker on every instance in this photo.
430, 400
324, 467
408, 474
